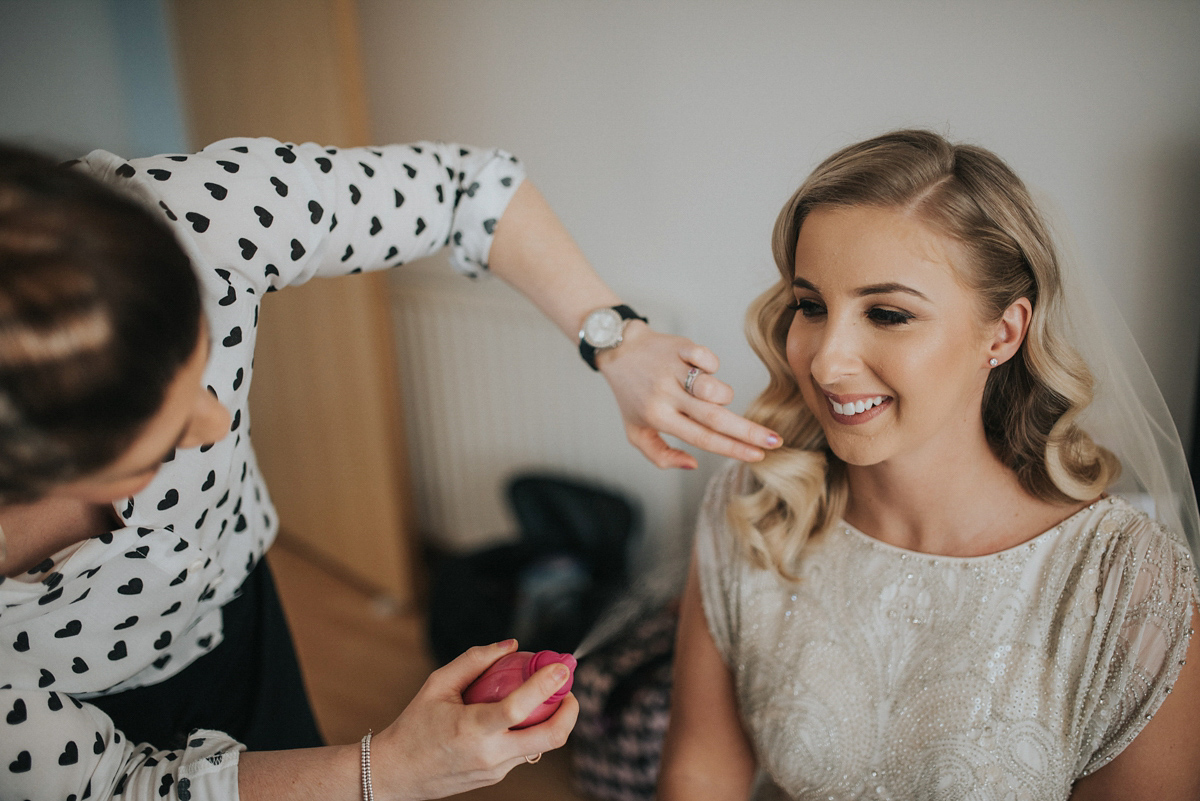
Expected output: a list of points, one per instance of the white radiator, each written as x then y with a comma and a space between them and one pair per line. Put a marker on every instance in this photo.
491, 388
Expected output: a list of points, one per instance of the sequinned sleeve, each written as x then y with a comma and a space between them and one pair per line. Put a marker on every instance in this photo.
1142, 632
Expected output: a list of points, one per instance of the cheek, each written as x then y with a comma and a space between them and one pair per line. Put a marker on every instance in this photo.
210, 422
935, 380
134, 486
114, 491
799, 352
952, 362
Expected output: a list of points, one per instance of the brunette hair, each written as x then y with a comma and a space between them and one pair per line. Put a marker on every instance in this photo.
1030, 403
99, 309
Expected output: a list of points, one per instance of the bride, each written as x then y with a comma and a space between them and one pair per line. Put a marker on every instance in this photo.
928, 593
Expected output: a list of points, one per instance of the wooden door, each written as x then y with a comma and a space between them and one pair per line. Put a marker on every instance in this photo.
324, 404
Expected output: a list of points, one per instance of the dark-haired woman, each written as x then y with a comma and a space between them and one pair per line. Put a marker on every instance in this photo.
142, 648
927, 593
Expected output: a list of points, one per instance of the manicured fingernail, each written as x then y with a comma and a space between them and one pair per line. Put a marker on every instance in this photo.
560, 673
505, 643
773, 439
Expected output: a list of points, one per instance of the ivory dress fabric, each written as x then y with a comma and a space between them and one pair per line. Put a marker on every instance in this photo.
890, 674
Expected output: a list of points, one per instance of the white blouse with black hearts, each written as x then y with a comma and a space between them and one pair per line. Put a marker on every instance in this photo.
134, 607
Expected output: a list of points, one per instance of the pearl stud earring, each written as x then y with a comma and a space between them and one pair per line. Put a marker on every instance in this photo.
993, 362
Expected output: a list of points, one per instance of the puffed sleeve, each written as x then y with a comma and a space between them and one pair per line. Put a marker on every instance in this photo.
1143, 628
277, 214
55, 747
718, 561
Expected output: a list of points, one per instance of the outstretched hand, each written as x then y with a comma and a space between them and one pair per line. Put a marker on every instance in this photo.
648, 372
440, 746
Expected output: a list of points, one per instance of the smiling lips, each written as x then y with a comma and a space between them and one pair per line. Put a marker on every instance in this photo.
856, 407
858, 411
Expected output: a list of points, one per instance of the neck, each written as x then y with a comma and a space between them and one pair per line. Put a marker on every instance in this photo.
954, 500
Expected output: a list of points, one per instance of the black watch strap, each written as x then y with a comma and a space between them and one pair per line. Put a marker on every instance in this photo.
588, 351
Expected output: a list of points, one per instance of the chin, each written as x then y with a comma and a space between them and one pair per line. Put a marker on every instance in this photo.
858, 457
856, 450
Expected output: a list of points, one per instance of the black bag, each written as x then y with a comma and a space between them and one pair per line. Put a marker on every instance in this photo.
547, 589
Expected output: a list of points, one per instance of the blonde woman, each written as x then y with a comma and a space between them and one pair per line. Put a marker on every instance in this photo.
929, 592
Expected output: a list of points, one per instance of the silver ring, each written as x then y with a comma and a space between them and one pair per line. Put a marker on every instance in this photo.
691, 379
533, 760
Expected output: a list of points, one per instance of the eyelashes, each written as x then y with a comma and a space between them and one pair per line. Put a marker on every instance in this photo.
889, 316
876, 314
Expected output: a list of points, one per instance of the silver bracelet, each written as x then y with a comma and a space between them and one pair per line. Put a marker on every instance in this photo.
367, 790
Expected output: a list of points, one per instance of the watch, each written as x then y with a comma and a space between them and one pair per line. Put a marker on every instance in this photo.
603, 329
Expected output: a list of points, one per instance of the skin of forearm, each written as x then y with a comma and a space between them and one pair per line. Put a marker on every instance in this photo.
533, 252
331, 773
677, 783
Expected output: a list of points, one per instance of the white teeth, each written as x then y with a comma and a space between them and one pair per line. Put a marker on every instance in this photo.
856, 407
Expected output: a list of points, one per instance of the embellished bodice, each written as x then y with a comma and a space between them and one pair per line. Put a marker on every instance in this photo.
886, 673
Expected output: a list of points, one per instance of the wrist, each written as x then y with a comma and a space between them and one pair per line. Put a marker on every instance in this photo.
603, 330
634, 331
367, 783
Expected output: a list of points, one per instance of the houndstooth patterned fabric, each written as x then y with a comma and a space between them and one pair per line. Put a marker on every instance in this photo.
624, 693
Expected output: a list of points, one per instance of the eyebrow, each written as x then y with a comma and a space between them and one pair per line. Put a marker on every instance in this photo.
865, 291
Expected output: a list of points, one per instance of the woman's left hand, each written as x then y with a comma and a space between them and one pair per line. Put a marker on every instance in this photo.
648, 374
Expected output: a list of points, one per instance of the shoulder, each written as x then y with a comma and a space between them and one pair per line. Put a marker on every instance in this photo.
1137, 586
732, 479
1135, 581
715, 538
1121, 566
1130, 549
213, 172
144, 177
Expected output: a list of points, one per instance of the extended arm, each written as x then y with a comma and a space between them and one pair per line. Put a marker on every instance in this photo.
1163, 761
533, 252
707, 753
56, 747
436, 748
258, 215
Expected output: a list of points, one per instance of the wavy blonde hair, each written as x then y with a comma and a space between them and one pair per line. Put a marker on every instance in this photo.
1030, 403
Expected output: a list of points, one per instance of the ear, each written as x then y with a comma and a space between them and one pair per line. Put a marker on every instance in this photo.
1009, 331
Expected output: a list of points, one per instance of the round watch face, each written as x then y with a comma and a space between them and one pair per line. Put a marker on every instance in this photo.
602, 328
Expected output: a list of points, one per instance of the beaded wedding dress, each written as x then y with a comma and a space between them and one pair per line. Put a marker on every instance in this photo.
891, 674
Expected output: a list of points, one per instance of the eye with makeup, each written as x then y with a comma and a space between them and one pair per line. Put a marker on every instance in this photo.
807, 306
876, 314
888, 317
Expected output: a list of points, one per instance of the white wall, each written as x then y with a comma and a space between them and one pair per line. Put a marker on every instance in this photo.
668, 133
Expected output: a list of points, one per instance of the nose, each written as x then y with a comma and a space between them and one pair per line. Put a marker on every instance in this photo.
209, 423
835, 354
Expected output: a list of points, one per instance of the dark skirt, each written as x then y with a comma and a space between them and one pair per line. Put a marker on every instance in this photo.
249, 686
